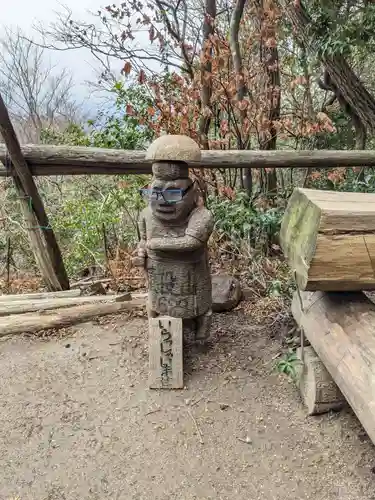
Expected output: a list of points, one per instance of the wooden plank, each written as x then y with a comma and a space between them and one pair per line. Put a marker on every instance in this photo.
40, 295
166, 353
79, 160
32, 323
93, 169
26, 306
33, 209
341, 330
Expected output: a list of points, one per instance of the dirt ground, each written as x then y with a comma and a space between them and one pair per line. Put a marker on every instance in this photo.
77, 422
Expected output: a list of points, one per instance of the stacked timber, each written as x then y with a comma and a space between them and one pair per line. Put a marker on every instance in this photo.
328, 238
341, 329
29, 313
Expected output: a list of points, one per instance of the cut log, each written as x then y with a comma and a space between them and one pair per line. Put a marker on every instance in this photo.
341, 329
32, 323
328, 238
40, 295
319, 392
26, 306
165, 353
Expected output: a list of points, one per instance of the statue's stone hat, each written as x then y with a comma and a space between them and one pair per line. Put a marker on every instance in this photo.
171, 155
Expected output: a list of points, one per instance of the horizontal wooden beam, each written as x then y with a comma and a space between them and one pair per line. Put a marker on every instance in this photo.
79, 160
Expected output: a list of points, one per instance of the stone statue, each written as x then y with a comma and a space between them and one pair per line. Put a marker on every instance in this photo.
174, 229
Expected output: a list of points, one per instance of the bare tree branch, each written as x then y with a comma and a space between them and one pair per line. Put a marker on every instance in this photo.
36, 93
117, 34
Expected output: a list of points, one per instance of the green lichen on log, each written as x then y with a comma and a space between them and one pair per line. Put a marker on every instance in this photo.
298, 235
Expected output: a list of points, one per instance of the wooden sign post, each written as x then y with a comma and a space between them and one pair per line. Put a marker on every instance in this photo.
165, 353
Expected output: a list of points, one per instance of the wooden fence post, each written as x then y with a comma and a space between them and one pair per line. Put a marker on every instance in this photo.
42, 238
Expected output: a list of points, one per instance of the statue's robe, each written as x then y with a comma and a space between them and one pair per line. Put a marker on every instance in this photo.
179, 281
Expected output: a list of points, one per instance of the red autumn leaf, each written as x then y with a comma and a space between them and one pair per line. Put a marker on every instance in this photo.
142, 76
123, 184
151, 33
315, 175
130, 110
127, 68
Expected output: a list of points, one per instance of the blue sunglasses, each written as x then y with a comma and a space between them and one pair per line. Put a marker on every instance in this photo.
170, 196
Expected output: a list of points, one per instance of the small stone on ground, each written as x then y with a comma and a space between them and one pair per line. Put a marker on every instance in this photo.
226, 293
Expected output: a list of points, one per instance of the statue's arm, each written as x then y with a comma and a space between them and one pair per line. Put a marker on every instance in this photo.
196, 235
180, 244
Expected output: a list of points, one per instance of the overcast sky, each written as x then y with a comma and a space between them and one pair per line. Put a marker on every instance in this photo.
26, 13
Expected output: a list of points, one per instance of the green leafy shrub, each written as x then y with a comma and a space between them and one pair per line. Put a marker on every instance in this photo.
93, 222
127, 126
239, 220
289, 364
93, 215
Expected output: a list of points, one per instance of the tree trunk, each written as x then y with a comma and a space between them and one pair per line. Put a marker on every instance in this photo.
206, 69
269, 57
360, 129
237, 13
350, 86
42, 237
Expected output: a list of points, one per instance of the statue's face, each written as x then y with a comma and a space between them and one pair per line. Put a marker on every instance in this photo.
176, 207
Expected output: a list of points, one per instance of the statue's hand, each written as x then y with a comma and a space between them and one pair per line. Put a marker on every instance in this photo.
142, 252
139, 260
156, 243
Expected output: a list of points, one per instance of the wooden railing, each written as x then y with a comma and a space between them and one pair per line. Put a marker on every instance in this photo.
79, 160
22, 163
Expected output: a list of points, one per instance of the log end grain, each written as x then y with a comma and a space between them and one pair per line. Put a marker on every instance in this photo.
298, 235
319, 392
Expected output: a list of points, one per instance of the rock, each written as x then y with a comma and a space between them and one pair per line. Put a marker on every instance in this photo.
226, 293
96, 289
